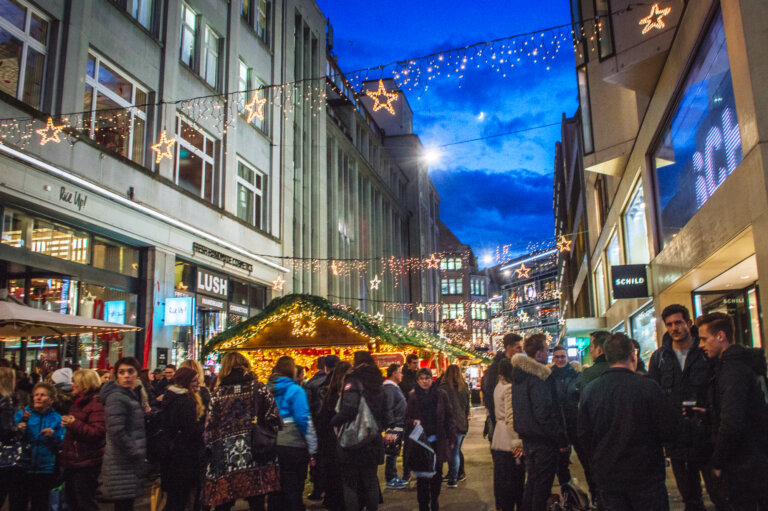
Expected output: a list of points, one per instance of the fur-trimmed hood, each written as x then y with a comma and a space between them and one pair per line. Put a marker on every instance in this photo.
523, 365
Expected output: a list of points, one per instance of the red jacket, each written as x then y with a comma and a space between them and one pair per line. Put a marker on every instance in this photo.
84, 442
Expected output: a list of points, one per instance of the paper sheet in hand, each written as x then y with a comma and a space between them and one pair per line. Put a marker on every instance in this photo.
416, 433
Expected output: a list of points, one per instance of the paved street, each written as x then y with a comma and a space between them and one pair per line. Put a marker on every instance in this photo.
476, 493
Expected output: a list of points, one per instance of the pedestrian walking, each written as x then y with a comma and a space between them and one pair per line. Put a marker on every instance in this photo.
430, 407
394, 424
738, 413
513, 344
242, 409
683, 371
293, 446
84, 441
327, 457
538, 420
458, 393
43, 436
506, 446
623, 420
566, 379
10, 435
124, 464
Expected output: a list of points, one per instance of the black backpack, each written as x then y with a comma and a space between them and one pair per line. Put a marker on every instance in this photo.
571, 498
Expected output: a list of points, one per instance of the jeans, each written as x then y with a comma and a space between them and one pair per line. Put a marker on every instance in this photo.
454, 461
361, 487
689, 484
508, 480
390, 467
541, 460
80, 488
428, 492
293, 463
31, 490
650, 498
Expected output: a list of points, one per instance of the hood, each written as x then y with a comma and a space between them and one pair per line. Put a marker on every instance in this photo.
666, 341
281, 385
368, 375
524, 366
753, 357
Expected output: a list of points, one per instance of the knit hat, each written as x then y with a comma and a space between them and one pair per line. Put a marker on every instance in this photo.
62, 376
184, 377
330, 362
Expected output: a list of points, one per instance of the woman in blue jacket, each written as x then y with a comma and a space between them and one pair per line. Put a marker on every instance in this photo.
294, 442
43, 434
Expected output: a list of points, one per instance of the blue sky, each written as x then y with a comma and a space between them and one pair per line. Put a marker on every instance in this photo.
497, 191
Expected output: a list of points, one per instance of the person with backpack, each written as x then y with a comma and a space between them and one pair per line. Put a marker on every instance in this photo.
683, 371
242, 409
506, 446
458, 392
83, 448
361, 398
43, 436
738, 412
183, 417
293, 441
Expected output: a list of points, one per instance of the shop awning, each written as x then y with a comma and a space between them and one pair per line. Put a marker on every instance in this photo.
18, 320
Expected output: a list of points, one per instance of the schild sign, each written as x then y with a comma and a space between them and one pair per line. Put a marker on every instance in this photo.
629, 281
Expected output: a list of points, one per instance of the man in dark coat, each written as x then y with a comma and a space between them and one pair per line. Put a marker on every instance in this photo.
738, 412
316, 388
513, 344
683, 371
394, 417
566, 379
409, 374
623, 420
599, 364
538, 420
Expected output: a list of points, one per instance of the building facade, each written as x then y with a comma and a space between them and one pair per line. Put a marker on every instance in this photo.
673, 119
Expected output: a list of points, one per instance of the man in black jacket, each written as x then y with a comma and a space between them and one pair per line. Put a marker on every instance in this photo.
538, 420
566, 379
623, 420
409, 374
683, 371
599, 364
738, 413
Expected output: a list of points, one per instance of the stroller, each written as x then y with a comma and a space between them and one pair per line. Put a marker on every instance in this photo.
571, 498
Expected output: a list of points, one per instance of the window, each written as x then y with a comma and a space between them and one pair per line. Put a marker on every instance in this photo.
243, 85
477, 287
613, 257
453, 263
188, 35
108, 95
44, 237
453, 311
601, 297
250, 196
110, 255
142, 10
601, 204
479, 311
586, 110
210, 70
644, 331
604, 28
195, 162
635, 229
23, 39
256, 13
701, 145
452, 286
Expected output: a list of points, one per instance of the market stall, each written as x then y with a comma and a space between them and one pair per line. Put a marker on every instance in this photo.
306, 327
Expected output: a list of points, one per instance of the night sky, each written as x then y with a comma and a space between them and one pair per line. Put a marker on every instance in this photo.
496, 191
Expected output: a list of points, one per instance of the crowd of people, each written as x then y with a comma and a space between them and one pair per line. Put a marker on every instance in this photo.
702, 403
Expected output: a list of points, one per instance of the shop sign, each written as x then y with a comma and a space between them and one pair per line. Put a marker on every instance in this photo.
114, 311
74, 198
240, 310
385, 359
179, 310
206, 302
162, 357
212, 284
220, 256
629, 281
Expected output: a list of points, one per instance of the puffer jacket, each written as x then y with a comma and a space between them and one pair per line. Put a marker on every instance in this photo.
43, 448
505, 438
293, 406
123, 465
84, 442
394, 405
537, 416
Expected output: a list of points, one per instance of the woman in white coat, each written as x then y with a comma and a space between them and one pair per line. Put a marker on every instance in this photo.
506, 446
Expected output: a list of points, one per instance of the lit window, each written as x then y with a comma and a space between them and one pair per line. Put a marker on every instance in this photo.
586, 110
195, 162
210, 70
452, 286
188, 35
23, 39
250, 195
635, 228
613, 257
108, 95
600, 289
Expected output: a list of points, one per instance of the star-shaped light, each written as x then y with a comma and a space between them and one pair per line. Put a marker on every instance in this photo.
378, 317
433, 262
654, 20
255, 108
375, 283
389, 98
561, 321
164, 148
556, 294
278, 283
523, 317
50, 133
411, 324
460, 322
420, 308
564, 245
523, 272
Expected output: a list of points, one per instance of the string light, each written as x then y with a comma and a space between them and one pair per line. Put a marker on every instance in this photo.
50, 133
523, 272
655, 19
376, 95
375, 283
164, 148
255, 108
433, 262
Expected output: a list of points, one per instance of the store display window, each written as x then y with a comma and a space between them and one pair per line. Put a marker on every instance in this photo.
644, 331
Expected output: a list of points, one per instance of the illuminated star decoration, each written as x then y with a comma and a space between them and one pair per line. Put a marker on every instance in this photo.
654, 20
564, 245
50, 133
164, 148
278, 283
411, 324
375, 283
523, 272
389, 97
556, 294
561, 321
255, 108
378, 317
433, 262
420, 308
460, 323
523, 317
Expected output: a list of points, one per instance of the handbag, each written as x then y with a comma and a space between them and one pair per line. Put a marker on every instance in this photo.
393, 439
361, 431
263, 438
420, 456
